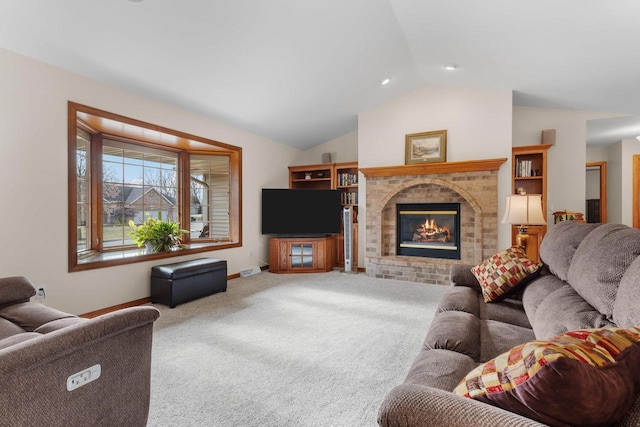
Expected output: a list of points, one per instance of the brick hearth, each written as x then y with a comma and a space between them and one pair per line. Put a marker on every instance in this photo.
473, 184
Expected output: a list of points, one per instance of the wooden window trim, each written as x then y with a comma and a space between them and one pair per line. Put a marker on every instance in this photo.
101, 124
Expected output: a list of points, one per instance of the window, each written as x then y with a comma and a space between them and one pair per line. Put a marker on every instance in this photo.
124, 170
83, 186
209, 197
137, 183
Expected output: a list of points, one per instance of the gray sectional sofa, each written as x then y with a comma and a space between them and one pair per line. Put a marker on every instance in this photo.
590, 279
46, 353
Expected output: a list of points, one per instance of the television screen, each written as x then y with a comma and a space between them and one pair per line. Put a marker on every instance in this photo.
300, 212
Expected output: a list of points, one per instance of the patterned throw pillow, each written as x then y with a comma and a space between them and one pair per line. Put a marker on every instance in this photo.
504, 272
584, 377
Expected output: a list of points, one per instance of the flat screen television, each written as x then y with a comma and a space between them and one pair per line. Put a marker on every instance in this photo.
296, 212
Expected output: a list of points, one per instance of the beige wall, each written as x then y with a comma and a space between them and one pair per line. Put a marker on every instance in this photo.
478, 124
613, 155
33, 188
620, 186
614, 183
342, 149
566, 187
597, 154
619, 158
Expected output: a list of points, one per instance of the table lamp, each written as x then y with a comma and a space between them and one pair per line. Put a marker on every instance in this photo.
524, 210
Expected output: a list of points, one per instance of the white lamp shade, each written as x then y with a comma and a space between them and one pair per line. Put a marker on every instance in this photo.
524, 210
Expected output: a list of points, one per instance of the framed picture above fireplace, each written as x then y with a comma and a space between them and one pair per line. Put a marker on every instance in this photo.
426, 147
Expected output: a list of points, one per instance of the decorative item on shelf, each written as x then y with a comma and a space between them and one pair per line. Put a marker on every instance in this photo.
524, 210
157, 235
566, 215
521, 191
426, 147
307, 175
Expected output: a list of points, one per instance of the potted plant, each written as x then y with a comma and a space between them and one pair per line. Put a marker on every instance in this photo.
157, 235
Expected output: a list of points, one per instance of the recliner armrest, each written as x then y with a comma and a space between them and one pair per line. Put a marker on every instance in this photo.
461, 275
412, 405
35, 373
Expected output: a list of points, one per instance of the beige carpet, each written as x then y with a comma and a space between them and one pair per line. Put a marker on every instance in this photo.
288, 350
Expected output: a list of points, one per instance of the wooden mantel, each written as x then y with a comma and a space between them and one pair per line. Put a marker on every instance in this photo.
433, 168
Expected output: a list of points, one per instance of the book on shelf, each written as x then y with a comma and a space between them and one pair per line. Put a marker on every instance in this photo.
349, 198
523, 168
346, 179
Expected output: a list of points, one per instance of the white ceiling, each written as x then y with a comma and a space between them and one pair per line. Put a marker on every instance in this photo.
604, 132
299, 71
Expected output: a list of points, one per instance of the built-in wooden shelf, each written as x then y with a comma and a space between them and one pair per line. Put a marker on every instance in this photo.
536, 155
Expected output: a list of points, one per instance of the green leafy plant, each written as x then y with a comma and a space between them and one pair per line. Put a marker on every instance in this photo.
163, 236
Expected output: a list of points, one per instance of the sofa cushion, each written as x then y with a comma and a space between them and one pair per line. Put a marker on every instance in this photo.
15, 289
461, 298
503, 272
600, 262
508, 311
538, 290
564, 310
56, 324
560, 244
626, 308
594, 372
498, 337
8, 328
31, 315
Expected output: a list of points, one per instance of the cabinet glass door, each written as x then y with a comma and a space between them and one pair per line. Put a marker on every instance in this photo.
302, 255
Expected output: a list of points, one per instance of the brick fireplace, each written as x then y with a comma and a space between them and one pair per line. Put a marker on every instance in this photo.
471, 184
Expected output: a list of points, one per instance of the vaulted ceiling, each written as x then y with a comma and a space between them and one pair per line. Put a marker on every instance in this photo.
299, 71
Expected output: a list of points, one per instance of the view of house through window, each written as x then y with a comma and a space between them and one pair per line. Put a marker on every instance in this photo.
126, 170
137, 183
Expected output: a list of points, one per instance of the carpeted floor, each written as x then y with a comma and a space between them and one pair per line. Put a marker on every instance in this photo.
288, 350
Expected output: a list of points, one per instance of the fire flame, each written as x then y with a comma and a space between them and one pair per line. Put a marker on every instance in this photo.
430, 231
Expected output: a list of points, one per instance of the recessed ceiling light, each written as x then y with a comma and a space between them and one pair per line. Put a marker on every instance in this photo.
385, 81
450, 67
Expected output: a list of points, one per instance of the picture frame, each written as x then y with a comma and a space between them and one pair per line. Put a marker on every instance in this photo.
426, 147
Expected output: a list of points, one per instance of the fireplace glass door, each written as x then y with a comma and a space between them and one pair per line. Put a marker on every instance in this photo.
428, 230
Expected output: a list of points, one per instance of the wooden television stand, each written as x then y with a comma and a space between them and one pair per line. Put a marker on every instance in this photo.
301, 254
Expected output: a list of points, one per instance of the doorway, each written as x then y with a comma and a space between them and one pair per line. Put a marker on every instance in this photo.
596, 195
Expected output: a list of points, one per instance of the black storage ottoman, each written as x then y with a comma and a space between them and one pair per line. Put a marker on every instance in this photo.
174, 284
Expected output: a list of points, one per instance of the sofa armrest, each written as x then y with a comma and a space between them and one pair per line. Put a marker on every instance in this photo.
461, 275
412, 405
34, 373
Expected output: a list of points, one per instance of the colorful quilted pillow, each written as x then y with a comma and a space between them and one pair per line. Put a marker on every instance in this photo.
584, 377
504, 272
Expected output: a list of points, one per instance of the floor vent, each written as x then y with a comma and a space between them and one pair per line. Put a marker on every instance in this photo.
250, 271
